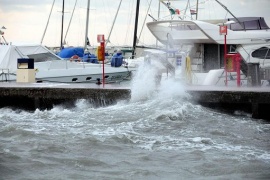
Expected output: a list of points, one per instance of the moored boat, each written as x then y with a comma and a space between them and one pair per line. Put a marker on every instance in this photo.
51, 68
209, 51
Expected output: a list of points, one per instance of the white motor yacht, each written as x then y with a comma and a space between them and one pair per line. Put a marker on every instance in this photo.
202, 42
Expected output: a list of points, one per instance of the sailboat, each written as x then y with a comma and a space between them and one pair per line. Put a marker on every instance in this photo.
51, 68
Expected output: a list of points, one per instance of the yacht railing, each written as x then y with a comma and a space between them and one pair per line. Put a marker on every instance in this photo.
75, 63
4, 74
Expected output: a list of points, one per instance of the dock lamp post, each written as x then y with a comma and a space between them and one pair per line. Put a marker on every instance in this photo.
223, 31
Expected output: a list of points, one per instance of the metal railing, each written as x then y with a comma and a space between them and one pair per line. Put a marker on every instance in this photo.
4, 75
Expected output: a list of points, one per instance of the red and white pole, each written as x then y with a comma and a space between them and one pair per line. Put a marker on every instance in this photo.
101, 40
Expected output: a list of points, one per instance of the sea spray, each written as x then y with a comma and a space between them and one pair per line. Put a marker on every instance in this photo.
146, 84
143, 83
166, 99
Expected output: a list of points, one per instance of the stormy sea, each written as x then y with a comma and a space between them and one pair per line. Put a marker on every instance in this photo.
157, 134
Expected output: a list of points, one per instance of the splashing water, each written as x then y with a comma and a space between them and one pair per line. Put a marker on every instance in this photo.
145, 85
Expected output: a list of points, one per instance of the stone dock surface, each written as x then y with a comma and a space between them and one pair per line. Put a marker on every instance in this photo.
30, 96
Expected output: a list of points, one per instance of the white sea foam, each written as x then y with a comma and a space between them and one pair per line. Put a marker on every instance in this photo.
170, 88
146, 85
143, 83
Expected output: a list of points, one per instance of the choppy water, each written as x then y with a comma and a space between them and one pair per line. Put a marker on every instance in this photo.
155, 135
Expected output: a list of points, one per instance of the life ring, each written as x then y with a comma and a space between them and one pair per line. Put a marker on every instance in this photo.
75, 58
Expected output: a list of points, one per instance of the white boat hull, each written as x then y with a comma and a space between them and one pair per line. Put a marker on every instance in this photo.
83, 78
75, 72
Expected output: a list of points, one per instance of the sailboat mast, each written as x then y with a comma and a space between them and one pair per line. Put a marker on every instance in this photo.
135, 28
185, 13
108, 40
87, 22
63, 7
70, 20
197, 9
47, 23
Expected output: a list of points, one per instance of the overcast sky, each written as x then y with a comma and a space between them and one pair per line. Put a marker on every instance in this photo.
26, 20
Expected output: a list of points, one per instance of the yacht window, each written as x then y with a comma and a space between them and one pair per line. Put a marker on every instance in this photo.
250, 25
236, 26
262, 53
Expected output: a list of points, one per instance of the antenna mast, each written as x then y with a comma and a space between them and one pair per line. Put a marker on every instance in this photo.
230, 13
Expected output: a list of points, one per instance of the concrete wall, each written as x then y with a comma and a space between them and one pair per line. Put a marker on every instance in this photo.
46, 98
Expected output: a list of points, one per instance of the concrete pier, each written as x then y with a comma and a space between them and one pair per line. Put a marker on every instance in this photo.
254, 100
30, 96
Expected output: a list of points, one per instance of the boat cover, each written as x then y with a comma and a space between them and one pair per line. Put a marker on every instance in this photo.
71, 51
10, 53
90, 58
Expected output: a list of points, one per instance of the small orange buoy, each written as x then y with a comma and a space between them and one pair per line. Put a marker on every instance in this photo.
75, 58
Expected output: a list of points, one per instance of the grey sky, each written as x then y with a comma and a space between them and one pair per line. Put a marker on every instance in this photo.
26, 19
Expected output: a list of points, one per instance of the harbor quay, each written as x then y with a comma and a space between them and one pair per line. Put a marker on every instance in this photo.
30, 96
253, 100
